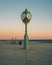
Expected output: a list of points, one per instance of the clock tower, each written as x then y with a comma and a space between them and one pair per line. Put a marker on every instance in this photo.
26, 17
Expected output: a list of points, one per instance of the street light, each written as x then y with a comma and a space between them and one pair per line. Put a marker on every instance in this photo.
26, 17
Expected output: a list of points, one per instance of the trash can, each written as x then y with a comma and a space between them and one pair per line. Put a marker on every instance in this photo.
20, 42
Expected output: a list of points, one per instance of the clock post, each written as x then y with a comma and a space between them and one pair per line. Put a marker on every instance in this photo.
26, 17
25, 38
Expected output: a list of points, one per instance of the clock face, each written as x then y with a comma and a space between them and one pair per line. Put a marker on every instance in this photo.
23, 16
29, 16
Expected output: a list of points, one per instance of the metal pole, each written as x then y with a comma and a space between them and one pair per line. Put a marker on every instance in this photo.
25, 38
25, 28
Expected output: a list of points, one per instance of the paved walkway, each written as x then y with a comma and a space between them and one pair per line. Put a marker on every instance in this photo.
36, 54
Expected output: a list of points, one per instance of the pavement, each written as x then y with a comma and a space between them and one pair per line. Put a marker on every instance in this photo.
36, 54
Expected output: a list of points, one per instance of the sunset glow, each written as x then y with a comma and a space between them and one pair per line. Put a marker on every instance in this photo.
11, 25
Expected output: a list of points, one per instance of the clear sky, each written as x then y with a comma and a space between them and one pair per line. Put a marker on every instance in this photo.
11, 25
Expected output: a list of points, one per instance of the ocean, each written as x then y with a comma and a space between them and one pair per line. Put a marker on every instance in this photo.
30, 40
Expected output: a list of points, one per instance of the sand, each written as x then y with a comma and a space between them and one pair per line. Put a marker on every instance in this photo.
36, 54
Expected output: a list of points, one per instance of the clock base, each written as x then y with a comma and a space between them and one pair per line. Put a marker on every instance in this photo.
25, 41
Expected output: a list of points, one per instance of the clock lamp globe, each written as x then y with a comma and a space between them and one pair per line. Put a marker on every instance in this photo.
26, 16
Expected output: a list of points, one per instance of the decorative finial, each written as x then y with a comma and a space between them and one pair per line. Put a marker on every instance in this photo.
26, 10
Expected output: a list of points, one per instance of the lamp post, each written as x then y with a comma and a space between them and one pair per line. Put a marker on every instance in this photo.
26, 17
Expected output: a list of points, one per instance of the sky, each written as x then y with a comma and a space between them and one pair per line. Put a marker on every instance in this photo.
11, 25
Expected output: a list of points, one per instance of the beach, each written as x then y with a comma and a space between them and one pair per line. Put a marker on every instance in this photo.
36, 54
